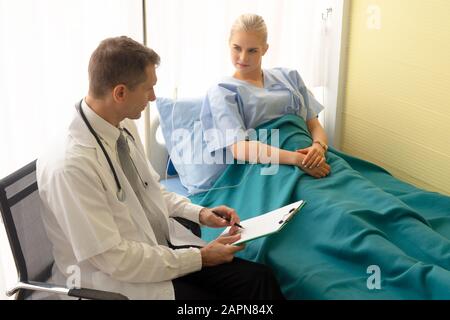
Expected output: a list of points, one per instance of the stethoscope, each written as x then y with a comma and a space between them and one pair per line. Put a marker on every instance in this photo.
120, 193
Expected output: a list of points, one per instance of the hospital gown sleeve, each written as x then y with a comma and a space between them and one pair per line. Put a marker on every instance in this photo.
313, 107
221, 120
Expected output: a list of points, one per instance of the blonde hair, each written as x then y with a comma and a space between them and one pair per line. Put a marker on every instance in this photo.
250, 23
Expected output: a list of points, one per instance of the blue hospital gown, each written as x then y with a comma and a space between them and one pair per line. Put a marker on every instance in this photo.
232, 107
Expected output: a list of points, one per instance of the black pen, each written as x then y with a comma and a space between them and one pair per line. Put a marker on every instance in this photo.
226, 218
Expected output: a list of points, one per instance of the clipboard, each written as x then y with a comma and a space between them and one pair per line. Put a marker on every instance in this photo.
268, 223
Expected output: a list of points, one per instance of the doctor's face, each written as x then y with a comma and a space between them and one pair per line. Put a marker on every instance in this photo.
139, 97
247, 50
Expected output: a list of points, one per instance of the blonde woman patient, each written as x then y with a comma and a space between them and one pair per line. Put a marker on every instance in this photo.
253, 96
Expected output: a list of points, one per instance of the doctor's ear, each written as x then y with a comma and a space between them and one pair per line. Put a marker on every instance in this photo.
119, 92
265, 49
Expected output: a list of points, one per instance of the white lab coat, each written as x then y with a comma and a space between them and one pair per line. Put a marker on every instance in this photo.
110, 244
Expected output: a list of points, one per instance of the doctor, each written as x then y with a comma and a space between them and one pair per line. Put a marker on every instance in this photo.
110, 221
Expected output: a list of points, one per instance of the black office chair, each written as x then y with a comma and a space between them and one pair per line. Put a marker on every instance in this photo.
31, 248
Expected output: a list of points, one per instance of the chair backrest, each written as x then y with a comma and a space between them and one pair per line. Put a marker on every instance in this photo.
20, 208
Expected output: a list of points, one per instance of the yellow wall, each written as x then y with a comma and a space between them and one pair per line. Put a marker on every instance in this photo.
396, 110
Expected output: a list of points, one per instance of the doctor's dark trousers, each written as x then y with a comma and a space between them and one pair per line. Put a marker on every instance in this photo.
237, 280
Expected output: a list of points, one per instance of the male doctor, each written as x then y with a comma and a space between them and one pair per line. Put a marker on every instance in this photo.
108, 217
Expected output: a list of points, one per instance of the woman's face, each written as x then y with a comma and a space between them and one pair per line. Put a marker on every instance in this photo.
247, 50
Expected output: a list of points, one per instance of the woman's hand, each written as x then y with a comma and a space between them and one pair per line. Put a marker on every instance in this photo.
321, 171
214, 220
314, 156
318, 172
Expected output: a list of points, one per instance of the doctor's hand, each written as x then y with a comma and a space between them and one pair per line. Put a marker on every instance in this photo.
220, 250
219, 217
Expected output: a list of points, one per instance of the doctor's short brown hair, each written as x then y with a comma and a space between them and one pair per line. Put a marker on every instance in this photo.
119, 60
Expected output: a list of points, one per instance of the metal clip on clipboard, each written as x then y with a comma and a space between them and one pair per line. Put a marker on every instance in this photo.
289, 215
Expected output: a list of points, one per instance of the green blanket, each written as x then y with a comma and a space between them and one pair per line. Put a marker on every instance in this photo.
359, 225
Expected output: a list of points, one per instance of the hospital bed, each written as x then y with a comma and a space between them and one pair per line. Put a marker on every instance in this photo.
363, 234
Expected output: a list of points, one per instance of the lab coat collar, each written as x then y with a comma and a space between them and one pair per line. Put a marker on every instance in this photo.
106, 131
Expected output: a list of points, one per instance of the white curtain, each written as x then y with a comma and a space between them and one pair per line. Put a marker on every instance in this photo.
44, 54
192, 38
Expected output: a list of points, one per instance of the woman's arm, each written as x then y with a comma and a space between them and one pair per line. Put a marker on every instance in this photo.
257, 152
317, 131
315, 154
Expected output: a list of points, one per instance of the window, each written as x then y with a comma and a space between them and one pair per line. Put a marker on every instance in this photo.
192, 39
46, 46
191, 36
